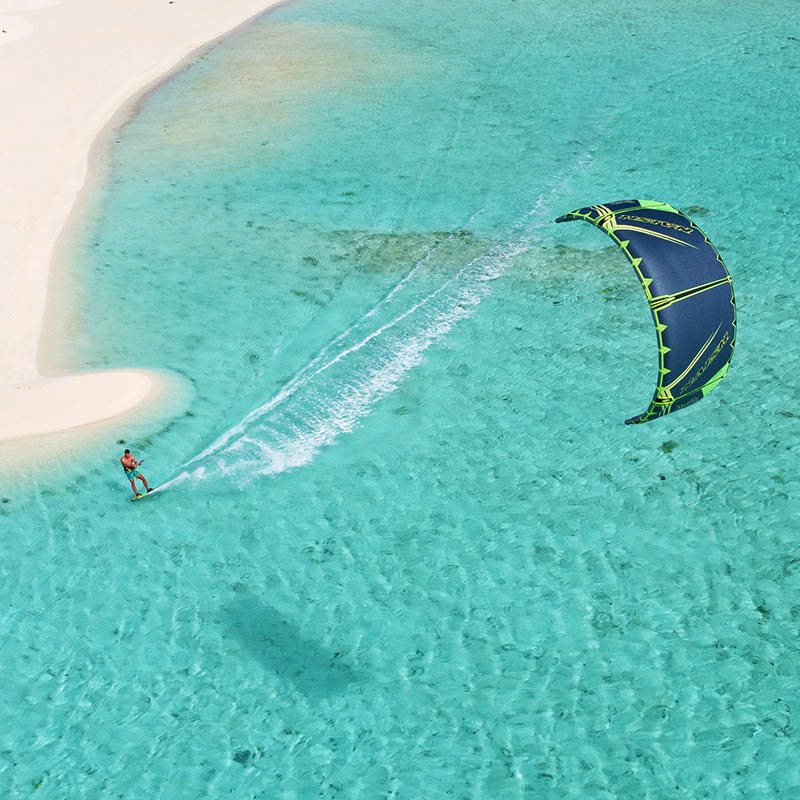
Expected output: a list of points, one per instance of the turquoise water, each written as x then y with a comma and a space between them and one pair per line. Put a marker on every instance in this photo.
407, 547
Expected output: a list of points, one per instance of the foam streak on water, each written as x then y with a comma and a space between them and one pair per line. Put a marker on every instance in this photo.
366, 362
364, 365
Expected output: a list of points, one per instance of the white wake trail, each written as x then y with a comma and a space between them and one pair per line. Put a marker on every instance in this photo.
367, 361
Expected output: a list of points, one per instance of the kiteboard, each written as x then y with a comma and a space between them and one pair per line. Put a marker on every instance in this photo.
144, 494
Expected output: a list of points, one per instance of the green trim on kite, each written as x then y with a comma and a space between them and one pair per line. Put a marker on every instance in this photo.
665, 300
711, 385
656, 205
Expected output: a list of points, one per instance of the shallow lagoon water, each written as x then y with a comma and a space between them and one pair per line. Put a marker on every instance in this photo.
407, 547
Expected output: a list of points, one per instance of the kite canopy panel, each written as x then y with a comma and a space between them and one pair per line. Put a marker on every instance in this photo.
689, 291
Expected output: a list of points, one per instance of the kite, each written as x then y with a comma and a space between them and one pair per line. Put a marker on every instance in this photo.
689, 291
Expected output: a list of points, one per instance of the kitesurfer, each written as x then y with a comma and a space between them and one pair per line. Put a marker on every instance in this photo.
130, 464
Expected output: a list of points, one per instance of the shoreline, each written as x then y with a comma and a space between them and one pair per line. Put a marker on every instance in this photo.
74, 451
81, 69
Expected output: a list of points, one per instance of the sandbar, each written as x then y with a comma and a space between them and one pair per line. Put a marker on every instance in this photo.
66, 70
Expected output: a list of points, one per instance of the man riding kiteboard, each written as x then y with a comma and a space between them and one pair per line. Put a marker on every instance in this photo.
130, 465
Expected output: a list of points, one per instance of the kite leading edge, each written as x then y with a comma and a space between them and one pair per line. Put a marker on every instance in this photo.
689, 291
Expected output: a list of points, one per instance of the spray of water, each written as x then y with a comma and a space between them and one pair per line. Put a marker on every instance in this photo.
366, 362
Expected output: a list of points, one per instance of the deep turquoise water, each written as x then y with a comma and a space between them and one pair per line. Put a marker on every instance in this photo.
408, 548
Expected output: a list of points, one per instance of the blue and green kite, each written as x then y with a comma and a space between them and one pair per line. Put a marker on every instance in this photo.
689, 291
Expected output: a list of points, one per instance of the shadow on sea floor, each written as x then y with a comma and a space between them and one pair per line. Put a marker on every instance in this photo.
281, 648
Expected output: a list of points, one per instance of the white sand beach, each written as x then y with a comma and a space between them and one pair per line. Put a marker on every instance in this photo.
66, 68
